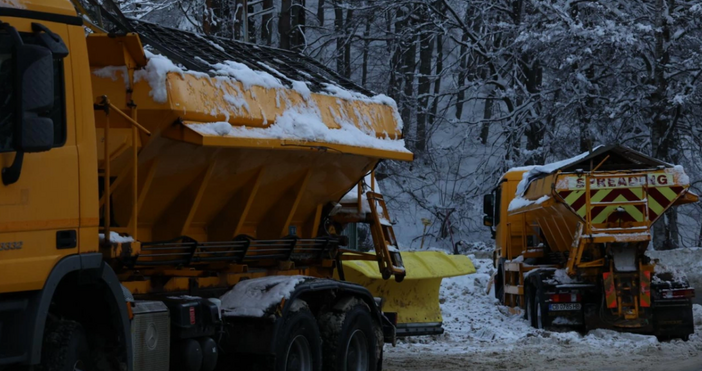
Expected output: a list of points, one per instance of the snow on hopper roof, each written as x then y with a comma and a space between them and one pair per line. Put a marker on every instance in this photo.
230, 93
618, 158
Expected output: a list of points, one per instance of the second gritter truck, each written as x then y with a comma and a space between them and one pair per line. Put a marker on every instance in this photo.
176, 207
571, 240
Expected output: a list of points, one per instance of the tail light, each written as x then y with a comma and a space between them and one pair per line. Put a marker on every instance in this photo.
565, 298
678, 293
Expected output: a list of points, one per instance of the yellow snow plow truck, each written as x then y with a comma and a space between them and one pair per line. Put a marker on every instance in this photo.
571, 240
177, 207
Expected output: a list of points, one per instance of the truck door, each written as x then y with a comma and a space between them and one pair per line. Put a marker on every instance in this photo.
39, 210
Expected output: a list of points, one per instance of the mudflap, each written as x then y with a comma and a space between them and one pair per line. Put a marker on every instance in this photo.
673, 319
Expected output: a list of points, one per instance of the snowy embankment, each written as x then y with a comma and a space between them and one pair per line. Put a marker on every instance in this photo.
483, 335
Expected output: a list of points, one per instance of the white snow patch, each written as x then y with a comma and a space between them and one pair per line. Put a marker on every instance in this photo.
560, 321
680, 176
116, 238
301, 88
237, 102
561, 277
251, 298
246, 76
520, 202
304, 123
12, 4
110, 72
155, 72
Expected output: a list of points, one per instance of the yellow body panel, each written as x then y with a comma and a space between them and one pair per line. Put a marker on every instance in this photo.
211, 187
416, 299
57, 189
61, 7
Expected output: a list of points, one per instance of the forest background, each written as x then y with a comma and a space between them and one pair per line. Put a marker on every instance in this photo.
486, 85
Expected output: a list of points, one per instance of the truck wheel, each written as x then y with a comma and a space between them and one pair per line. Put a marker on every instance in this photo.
65, 347
529, 308
350, 340
299, 345
499, 287
539, 310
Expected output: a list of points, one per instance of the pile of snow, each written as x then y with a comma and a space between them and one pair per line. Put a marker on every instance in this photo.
116, 238
476, 323
253, 297
561, 277
536, 171
110, 72
679, 173
520, 202
155, 74
304, 123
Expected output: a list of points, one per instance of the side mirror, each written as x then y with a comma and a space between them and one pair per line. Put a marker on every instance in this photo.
34, 92
36, 132
489, 205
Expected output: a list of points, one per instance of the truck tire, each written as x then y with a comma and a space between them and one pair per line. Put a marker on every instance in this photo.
350, 340
499, 284
529, 307
65, 347
299, 345
539, 309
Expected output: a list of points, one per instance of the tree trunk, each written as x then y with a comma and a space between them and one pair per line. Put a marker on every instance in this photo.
366, 46
462, 72
408, 72
297, 31
338, 33
531, 70
206, 24
320, 12
347, 43
437, 79
426, 52
487, 115
284, 24
396, 60
665, 233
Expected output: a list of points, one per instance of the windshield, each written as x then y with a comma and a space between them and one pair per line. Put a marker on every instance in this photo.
7, 95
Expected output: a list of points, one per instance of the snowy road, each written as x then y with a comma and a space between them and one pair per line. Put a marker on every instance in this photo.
533, 358
481, 335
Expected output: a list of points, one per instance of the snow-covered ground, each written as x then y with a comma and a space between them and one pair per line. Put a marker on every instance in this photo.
482, 335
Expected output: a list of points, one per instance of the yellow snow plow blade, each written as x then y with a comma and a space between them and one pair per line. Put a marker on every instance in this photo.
416, 299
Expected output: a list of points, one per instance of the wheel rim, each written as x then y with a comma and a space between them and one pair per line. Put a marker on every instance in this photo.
299, 355
357, 352
538, 316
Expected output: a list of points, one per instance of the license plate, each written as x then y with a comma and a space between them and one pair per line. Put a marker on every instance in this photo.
568, 306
